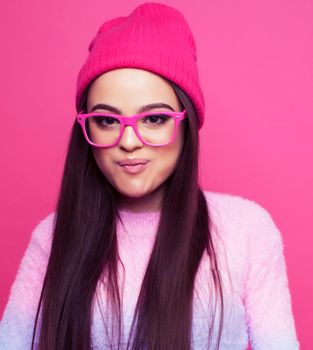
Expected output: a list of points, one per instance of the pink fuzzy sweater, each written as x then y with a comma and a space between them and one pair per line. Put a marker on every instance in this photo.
256, 293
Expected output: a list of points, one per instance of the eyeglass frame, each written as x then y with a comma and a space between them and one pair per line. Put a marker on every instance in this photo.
131, 121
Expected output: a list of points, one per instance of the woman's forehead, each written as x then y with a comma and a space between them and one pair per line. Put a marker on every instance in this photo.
130, 88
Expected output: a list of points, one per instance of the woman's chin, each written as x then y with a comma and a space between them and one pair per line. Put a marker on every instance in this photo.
132, 193
135, 188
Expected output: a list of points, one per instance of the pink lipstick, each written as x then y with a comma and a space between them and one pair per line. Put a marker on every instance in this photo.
133, 166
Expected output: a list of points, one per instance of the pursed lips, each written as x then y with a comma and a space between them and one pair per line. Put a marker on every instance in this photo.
132, 162
133, 166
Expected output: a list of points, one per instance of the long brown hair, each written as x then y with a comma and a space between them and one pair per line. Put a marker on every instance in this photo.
84, 246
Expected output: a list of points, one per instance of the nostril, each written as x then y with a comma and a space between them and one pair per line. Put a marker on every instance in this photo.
129, 138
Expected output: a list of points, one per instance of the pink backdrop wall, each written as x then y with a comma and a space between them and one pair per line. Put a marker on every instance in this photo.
256, 67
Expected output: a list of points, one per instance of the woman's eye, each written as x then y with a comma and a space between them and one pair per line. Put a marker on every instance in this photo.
106, 121
156, 119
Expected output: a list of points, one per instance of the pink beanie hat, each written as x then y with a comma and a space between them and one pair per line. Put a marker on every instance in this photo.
154, 37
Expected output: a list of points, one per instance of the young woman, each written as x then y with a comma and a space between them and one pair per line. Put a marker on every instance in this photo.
136, 254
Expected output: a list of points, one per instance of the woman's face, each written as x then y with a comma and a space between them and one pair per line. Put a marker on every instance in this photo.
128, 91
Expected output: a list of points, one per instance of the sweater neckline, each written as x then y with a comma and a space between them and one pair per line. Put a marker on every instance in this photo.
144, 221
144, 212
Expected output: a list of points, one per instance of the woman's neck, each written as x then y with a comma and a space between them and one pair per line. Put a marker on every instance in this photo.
150, 202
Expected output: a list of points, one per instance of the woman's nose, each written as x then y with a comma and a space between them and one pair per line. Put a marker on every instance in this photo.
129, 140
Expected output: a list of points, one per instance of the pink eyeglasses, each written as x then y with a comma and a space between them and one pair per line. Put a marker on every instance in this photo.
103, 130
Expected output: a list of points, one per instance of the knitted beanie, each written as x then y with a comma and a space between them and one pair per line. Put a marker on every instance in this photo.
154, 37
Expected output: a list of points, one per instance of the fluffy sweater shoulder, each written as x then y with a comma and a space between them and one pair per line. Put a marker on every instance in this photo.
254, 251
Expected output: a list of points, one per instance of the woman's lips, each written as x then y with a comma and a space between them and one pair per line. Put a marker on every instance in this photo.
134, 169
134, 165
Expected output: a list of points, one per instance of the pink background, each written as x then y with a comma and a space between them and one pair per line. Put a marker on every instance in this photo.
256, 68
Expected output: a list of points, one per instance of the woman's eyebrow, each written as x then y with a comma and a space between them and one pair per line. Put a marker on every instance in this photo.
141, 109
155, 105
105, 106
